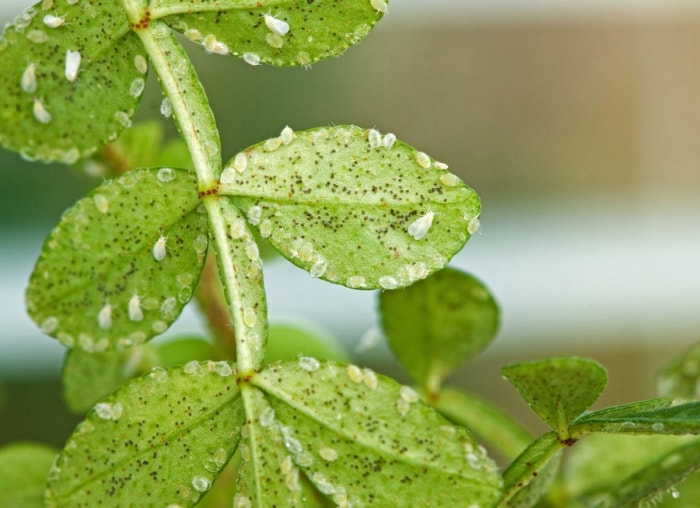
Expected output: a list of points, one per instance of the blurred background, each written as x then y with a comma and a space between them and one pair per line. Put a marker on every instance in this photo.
577, 123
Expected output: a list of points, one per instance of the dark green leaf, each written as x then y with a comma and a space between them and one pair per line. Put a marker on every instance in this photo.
498, 430
681, 378
44, 114
161, 439
342, 205
361, 437
286, 32
437, 324
23, 470
558, 389
526, 469
656, 416
98, 283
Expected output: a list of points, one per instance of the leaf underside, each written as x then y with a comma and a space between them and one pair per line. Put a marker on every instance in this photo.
98, 266
317, 30
46, 116
341, 209
160, 440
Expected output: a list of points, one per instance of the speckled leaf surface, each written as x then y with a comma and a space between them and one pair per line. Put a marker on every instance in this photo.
656, 416
276, 32
160, 440
558, 389
48, 105
352, 206
98, 284
438, 323
23, 469
362, 438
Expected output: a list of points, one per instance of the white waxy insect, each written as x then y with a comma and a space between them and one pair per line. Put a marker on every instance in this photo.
423, 160
166, 108
276, 26
54, 21
420, 227
388, 282
160, 248
450, 180
379, 5
440, 165
28, 81
389, 140
287, 135
72, 65
374, 138
474, 225
251, 58
240, 162
40, 112
135, 311
141, 64
104, 317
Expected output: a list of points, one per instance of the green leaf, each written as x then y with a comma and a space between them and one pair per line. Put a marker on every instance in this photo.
438, 323
88, 377
488, 422
656, 478
656, 416
527, 468
558, 389
681, 378
600, 462
44, 114
161, 439
282, 33
362, 438
23, 469
342, 205
288, 341
98, 284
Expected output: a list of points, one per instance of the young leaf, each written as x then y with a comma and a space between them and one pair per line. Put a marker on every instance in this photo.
292, 32
681, 378
362, 438
88, 377
59, 61
23, 469
438, 323
558, 389
656, 416
161, 439
122, 263
343, 202
527, 468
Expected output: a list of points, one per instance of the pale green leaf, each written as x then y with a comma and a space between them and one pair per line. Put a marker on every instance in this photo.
88, 377
288, 341
526, 469
350, 211
282, 32
438, 323
161, 439
23, 470
656, 416
558, 389
490, 424
600, 462
98, 284
362, 438
44, 114
681, 378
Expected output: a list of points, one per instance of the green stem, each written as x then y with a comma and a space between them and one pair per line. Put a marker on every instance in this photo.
239, 265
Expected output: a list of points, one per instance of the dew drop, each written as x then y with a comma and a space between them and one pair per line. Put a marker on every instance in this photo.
200, 483
166, 175
251, 58
309, 363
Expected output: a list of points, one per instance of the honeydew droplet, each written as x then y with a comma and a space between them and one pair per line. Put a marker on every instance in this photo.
328, 454
249, 317
388, 282
374, 138
136, 87
28, 81
72, 65
423, 160
200, 483
166, 175
101, 203
40, 112
251, 58
379, 5
166, 108
309, 363
450, 180
274, 40
355, 373
276, 26
104, 317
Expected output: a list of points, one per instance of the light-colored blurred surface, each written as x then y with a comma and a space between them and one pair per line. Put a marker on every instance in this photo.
577, 122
